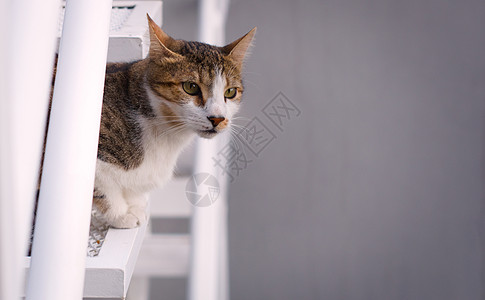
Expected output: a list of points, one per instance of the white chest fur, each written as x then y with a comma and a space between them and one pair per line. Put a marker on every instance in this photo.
160, 155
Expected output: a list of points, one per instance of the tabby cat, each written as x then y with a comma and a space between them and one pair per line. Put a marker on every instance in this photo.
152, 108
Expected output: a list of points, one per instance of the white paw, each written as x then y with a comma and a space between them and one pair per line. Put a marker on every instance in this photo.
127, 221
133, 218
140, 213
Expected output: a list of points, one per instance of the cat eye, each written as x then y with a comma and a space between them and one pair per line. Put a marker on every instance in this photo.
230, 93
191, 88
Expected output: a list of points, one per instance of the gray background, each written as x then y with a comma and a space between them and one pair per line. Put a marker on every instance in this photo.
377, 190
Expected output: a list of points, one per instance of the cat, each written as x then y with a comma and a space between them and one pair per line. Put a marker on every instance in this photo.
152, 109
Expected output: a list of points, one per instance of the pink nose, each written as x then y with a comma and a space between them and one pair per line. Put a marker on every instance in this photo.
215, 120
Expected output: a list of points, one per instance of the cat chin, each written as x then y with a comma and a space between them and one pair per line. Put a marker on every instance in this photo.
207, 134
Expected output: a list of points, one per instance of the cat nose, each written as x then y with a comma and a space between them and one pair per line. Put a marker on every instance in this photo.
215, 120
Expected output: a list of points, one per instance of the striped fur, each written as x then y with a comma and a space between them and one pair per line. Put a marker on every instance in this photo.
148, 118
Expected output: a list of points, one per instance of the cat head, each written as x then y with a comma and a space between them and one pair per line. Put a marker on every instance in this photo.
195, 85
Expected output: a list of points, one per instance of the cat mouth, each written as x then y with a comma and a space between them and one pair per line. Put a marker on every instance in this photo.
207, 133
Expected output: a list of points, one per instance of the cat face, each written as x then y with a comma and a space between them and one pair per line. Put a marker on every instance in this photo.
195, 85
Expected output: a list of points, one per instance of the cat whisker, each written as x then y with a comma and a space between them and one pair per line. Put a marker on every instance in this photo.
198, 122
236, 119
237, 126
170, 127
171, 131
168, 122
236, 136
174, 117
163, 121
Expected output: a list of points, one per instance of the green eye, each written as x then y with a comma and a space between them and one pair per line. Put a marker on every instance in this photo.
191, 88
230, 93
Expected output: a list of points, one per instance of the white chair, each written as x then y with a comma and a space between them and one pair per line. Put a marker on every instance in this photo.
65, 272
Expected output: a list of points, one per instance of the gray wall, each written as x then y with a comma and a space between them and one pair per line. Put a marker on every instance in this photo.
376, 191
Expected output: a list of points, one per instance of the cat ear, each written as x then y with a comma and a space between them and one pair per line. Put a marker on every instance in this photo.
238, 49
160, 42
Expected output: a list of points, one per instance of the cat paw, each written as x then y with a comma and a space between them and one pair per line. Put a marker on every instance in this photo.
133, 218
